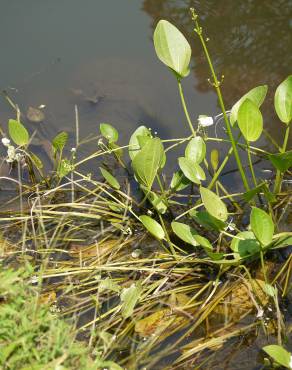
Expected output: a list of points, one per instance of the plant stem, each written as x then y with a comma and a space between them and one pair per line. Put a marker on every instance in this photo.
278, 180
251, 165
167, 236
220, 169
216, 85
185, 108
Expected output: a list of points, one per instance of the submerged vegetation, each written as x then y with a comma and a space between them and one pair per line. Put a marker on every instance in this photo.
147, 271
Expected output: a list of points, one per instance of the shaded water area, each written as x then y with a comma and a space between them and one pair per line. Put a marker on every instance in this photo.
99, 55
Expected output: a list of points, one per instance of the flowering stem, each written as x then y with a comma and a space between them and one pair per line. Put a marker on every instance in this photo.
216, 85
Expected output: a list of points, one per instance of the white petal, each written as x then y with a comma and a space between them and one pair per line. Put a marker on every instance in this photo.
5, 141
205, 121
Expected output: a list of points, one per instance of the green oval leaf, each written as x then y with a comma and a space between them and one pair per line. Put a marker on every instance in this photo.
209, 222
191, 170
196, 150
172, 48
279, 354
18, 132
256, 95
153, 227
36, 161
250, 120
148, 161
262, 225
179, 181
185, 232
214, 159
158, 202
129, 297
283, 100
134, 144
245, 244
213, 204
109, 132
60, 141
110, 178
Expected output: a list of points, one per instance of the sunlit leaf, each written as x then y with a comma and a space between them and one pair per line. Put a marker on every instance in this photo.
213, 204
60, 141
179, 181
256, 95
191, 170
196, 150
281, 161
184, 232
279, 354
172, 48
152, 226
262, 225
250, 120
110, 178
283, 100
134, 146
206, 220
109, 132
214, 159
18, 132
129, 298
148, 161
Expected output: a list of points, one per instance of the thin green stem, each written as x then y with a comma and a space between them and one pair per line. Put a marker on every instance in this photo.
216, 85
167, 236
185, 108
251, 165
278, 181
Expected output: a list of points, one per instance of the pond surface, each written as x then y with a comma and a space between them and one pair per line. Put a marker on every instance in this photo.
99, 55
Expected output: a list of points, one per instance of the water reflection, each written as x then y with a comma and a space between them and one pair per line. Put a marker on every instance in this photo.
249, 43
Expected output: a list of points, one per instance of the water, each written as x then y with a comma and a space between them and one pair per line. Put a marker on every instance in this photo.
59, 53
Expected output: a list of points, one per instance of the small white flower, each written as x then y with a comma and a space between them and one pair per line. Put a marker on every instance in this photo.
73, 150
18, 157
10, 154
205, 121
5, 141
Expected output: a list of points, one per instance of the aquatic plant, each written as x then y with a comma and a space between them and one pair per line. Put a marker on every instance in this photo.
147, 297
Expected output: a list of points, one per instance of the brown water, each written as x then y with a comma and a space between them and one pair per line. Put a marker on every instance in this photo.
58, 53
